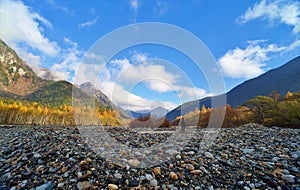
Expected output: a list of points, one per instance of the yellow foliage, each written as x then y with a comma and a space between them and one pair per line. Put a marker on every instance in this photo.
203, 109
288, 94
17, 113
35, 104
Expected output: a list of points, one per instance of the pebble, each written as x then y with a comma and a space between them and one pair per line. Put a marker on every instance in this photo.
46, 186
134, 162
37, 155
60, 185
204, 170
149, 177
174, 176
112, 187
196, 172
209, 155
189, 167
289, 178
153, 183
134, 183
248, 150
64, 169
118, 176
295, 156
240, 158
84, 185
157, 171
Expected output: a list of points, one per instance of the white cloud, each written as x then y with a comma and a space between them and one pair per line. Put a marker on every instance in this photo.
128, 100
34, 61
136, 73
121, 73
134, 5
159, 85
248, 62
118, 77
22, 25
282, 11
161, 7
139, 57
186, 91
293, 46
59, 7
89, 23
71, 59
89, 73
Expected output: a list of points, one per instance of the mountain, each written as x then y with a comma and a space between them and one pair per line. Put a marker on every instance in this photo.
282, 79
16, 76
57, 93
137, 114
156, 113
19, 82
88, 88
91, 90
159, 112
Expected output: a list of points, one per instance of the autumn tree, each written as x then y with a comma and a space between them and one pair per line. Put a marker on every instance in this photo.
261, 106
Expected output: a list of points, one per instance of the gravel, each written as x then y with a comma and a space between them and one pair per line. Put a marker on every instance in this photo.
54, 157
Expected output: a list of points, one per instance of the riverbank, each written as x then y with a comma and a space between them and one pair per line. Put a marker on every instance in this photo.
238, 158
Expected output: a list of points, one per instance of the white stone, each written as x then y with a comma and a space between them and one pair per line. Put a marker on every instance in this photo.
149, 177
209, 155
289, 178
248, 150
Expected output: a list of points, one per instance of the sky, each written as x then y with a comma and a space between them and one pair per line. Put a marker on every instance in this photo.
245, 38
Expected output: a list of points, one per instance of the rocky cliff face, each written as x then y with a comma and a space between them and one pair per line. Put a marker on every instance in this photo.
15, 75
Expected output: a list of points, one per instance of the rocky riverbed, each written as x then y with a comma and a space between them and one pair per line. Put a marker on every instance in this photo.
249, 157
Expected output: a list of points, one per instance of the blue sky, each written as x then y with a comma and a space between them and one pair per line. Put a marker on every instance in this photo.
247, 38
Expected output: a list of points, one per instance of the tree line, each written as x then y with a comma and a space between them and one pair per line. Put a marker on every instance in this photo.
18, 112
272, 110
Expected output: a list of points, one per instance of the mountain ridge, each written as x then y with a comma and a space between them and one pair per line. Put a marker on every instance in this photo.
19, 82
282, 79
15, 75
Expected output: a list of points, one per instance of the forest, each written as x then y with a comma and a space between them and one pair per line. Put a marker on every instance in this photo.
272, 110
17, 112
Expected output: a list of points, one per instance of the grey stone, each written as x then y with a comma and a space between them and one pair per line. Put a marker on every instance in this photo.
153, 183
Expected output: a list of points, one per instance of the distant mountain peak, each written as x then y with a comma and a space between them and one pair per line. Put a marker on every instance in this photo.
93, 91
159, 112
